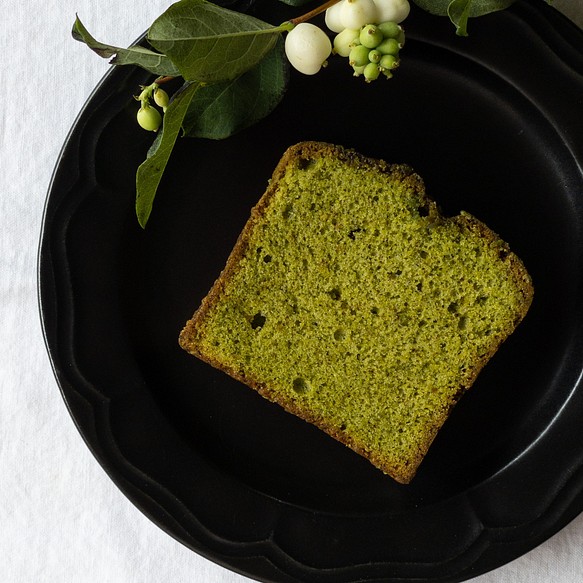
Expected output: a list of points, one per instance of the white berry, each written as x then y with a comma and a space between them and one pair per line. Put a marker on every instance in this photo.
392, 10
345, 40
357, 13
332, 17
307, 47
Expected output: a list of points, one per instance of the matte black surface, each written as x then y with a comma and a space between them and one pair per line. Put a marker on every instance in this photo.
493, 123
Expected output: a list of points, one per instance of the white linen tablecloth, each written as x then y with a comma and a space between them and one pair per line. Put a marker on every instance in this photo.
61, 518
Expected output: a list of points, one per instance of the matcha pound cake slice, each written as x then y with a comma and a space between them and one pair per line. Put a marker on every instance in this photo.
350, 301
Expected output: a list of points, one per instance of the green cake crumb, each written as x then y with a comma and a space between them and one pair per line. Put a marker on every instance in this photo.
350, 301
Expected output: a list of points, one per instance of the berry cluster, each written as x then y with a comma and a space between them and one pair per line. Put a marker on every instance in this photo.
368, 32
149, 118
371, 50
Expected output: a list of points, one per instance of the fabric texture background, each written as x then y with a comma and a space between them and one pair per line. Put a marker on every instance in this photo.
61, 518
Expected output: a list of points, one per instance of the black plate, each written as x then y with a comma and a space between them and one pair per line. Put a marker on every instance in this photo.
493, 123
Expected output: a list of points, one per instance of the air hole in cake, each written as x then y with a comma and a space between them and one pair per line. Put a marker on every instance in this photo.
374, 311
267, 259
300, 385
423, 254
258, 321
334, 293
352, 233
339, 334
287, 211
463, 323
306, 163
423, 210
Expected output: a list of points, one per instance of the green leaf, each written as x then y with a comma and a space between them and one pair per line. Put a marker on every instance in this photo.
151, 170
475, 7
218, 111
458, 12
155, 145
209, 43
437, 7
482, 7
136, 55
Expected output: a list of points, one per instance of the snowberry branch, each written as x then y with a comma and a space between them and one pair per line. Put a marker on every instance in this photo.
313, 13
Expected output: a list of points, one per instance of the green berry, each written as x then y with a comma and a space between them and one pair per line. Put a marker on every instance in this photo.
371, 72
161, 97
149, 118
370, 36
358, 56
389, 46
345, 41
374, 56
390, 29
145, 94
358, 71
401, 38
388, 62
